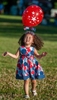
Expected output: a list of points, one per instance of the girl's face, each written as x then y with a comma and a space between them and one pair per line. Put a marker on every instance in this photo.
28, 40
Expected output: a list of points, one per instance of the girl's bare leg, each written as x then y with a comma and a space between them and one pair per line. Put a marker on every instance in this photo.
33, 85
26, 86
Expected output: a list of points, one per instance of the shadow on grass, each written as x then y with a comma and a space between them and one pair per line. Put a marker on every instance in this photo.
48, 34
10, 20
14, 28
11, 31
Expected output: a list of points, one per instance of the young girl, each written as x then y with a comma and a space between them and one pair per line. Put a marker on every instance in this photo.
27, 66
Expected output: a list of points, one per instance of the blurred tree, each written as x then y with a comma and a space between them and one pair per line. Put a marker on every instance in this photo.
8, 4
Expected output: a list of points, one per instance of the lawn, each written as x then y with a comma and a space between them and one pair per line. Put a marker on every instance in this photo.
11, 29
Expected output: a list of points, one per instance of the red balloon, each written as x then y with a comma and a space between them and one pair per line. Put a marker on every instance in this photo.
32, 16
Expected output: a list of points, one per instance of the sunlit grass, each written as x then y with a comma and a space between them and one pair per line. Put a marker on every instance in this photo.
11, 17
12, 89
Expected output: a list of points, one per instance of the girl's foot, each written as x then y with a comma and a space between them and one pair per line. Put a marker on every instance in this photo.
34, 92
26, 96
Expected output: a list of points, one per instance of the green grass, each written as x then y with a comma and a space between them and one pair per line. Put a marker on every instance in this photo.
11, 29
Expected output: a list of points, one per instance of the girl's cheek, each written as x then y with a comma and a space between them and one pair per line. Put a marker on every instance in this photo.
32, 40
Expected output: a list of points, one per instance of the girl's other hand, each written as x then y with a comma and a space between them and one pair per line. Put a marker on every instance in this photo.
44, 53
5, 54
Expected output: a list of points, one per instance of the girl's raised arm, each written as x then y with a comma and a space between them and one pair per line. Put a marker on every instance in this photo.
16, 55
39, 55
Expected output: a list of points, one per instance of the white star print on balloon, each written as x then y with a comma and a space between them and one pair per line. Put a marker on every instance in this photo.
28, 17
30, 22
33, 12
37, 14
32, 16
33, 19
27, 11
40, 11
37, 20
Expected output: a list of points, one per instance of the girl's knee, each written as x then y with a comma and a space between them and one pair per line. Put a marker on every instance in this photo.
33, 81
26, 81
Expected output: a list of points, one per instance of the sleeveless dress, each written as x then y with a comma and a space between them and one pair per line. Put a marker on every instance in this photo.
28, 66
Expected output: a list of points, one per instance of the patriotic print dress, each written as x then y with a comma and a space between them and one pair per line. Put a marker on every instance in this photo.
28, 66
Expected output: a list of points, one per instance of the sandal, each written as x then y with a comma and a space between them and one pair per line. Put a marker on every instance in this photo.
26, 96
34, 92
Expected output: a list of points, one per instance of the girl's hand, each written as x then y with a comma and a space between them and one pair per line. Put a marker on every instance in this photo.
11, 55
44, 53
5, 54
